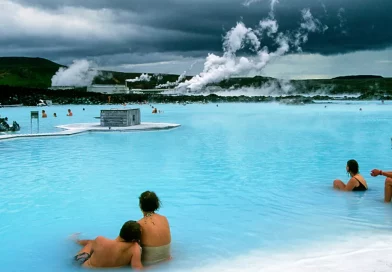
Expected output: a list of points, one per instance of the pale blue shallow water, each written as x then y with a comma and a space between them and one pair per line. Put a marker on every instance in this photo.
234, 180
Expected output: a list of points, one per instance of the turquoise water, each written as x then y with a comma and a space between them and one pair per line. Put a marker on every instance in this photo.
246, 187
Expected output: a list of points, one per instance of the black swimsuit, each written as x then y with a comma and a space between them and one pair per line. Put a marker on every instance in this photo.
361, 187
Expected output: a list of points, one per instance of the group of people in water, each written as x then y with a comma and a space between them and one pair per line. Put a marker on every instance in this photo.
45, 115
5, 127
155, 110
358, 183
140, 243
148, 241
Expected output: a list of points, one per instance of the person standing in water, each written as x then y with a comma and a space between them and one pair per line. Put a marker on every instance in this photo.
388, 183
356, 182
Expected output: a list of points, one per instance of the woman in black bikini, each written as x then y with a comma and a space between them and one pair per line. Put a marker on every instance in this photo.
356, 182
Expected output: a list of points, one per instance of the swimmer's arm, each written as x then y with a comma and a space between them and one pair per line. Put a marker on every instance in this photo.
386, 174
75, 237
136, 259
350, 185
83, 242
376, 172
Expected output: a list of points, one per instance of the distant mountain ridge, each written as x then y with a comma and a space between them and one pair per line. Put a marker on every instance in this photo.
38, 72
27, 61
27, 72
358, 77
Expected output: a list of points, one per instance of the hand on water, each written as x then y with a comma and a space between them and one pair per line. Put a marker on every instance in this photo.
75, 237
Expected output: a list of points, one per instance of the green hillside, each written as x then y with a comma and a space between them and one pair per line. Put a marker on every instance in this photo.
27, 72
359, 85
38, 72
109, 77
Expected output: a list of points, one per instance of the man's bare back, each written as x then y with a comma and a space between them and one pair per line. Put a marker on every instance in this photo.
104, 252
112, 253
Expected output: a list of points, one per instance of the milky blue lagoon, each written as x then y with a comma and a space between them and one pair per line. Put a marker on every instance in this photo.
246, 187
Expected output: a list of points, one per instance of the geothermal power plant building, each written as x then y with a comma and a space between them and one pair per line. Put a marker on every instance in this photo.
108, 89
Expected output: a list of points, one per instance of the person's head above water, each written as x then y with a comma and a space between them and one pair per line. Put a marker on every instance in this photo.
149, 202
352, 167
131, 232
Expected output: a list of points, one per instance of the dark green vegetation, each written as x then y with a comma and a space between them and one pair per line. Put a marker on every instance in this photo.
31, 96
357, 77
109, 77
25, 81
38, 72
367, 88
27, 72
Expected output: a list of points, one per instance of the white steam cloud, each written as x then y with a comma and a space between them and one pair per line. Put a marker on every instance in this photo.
273, 3
218, 68
272, 7
247, 3
180, 78
79, 74
342, 20
324, 8
142, 77
159, 77
172, 84
272, 88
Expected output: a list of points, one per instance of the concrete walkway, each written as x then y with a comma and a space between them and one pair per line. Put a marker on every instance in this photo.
73, 129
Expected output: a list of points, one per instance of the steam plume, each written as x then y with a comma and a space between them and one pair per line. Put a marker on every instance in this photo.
142, 77
180, 78
80, 73
218, 68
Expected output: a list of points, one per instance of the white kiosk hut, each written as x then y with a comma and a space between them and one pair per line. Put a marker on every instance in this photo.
120, 117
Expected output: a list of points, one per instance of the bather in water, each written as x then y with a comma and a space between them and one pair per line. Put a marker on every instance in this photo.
156, 236
356, 182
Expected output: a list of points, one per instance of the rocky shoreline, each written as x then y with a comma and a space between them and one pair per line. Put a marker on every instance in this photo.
31, 97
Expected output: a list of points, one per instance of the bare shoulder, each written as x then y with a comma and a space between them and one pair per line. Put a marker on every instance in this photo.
363, 180
351, 184
163, 217
100, 240
352, 179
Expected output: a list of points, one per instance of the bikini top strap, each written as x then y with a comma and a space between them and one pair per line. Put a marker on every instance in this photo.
360, 183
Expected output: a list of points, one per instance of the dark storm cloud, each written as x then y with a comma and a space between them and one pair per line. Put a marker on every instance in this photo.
187, 27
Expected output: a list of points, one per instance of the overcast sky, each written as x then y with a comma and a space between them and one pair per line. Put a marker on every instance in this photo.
168, 36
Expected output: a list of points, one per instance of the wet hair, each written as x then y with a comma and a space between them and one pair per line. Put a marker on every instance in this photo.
353, 166
149, 202
131, 232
